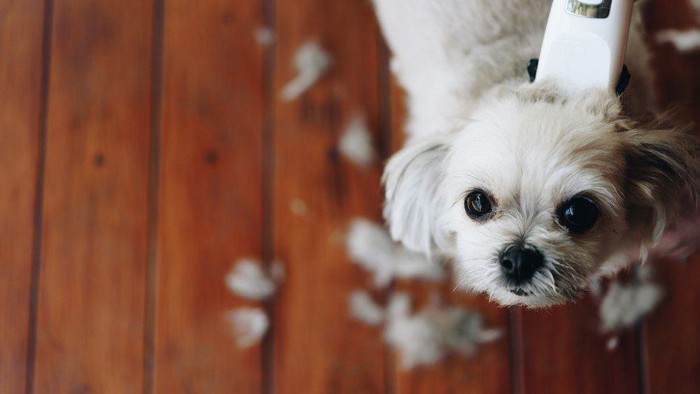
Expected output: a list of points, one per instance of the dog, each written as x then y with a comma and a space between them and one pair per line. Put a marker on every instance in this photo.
534, 192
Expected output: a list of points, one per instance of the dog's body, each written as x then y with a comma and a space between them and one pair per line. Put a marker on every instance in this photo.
524, 161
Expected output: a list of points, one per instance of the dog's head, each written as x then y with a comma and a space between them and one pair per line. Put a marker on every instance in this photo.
536, 190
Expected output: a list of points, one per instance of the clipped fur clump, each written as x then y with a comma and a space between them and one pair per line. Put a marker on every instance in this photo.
626, 304
356, 143
278, 272
265, 36
464, 330
370, 246
684, 41
249, 280
364, 309
416, 338
249, 325
311, 62
430, 335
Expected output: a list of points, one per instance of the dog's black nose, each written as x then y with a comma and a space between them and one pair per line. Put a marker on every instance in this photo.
519, 263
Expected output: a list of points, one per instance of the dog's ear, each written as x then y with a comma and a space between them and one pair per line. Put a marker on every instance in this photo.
412, 181
662, 177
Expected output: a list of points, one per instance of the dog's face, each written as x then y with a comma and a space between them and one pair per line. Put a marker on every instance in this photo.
535, 192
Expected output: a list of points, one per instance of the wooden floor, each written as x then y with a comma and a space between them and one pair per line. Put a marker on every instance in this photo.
144, 149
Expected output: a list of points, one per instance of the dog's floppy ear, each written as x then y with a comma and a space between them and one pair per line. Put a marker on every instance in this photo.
662, 177
413, 205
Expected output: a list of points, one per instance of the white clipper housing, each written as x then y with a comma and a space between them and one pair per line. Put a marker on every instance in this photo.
585, 42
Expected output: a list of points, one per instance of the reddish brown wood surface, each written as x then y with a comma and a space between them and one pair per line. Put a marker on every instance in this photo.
563, 351
20, 108
211, 193
672, 334
92, 286
318, 348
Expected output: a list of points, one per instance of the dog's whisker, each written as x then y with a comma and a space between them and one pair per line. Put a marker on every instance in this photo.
551, 280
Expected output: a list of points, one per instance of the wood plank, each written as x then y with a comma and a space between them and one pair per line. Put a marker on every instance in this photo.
211, 193
489, 370
318, 348
90, 331
672, 334
563, 352
21, 41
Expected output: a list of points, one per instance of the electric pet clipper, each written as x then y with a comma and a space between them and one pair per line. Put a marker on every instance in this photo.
584, 45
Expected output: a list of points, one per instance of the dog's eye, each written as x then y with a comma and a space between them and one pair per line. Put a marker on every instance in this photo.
478, 205
578, 214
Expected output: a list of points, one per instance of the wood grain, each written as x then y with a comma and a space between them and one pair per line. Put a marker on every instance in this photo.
93, 276
20, 111
672, 334
563, 352
318, 348
211, 193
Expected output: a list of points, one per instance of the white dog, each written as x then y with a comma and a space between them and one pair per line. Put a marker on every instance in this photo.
532, 191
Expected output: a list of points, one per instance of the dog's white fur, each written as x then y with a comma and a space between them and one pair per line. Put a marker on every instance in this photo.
475, 121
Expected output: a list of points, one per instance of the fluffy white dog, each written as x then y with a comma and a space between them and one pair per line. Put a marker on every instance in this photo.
532, 191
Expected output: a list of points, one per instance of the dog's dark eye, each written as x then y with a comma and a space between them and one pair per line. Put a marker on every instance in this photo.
578, 214
478, 205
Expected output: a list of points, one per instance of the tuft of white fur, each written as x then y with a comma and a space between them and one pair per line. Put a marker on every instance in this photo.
684, 41
417, 340
249, 325
356, 143
428, 336
248, 279
364, 309
626, 304
278, 272
370, 246
265, 36
311, 62
298, 207
464, 330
